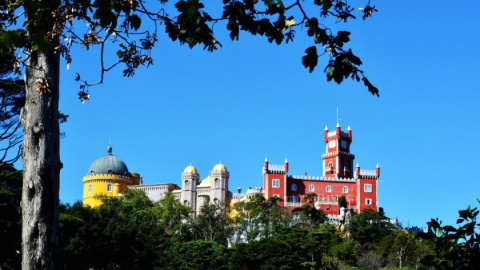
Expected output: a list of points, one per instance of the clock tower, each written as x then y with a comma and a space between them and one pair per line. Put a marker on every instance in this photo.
337, 160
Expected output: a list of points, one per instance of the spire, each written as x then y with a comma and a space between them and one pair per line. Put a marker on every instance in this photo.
286, 161
358, 166
349, 128
109, 149
266, 160
377, 166
326, 127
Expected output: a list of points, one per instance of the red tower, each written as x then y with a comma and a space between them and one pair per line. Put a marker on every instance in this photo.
339, 178
337, 160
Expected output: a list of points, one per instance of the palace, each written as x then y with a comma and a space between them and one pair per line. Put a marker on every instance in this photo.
339, 179
109, 176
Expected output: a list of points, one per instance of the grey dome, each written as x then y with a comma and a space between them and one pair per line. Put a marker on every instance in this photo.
108, 164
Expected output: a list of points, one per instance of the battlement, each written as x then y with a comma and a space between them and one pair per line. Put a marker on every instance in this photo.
276, 168
333, 133
334, 153
321, 178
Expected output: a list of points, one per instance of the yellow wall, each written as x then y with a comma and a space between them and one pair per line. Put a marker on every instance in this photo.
99, 184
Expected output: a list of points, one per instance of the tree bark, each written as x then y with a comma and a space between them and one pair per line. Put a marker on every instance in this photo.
41, 159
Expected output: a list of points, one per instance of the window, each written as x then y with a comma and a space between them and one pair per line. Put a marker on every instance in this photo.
186, 183
368, 201
217, 183
330, 164
332, 143
215, 201
294, 187
186, 203
276, 183
90, 188
328, 209
345, 189
329, 189
109, 187
311, 188
293, 199
368, 188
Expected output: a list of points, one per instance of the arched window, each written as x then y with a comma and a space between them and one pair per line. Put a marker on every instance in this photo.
345, 189
329, 189
311, 188
186, 203
294, 187
215, 201
109, 187
217, 183
186, 183
330, 164
90, 188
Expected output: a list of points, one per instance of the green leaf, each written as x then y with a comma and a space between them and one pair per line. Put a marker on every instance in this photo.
371, 88
311, 59
134, 21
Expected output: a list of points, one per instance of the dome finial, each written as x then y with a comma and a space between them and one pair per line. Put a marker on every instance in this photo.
109, 149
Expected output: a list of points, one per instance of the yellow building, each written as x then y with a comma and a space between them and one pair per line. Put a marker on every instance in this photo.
107, 176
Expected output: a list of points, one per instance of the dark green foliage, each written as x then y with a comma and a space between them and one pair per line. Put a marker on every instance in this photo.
266, 216
455, 248
370, 227
268, 253
309, 215
10, 217
212, 224
122, 233
198, 254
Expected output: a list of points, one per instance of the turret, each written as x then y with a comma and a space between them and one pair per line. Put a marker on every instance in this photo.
265, 166
286, 165
357, 170
337, 129
325, 134
349, 131
377, 170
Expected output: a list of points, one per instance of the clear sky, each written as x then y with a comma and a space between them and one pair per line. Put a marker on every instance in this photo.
251, 100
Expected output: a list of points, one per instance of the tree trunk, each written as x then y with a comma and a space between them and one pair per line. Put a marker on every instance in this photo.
41, 159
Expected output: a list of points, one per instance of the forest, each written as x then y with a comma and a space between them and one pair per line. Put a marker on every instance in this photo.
132, 232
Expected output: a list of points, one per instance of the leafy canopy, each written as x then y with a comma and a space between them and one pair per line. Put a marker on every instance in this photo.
134, 27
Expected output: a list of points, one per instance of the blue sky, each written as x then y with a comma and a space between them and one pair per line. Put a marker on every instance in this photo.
251, 100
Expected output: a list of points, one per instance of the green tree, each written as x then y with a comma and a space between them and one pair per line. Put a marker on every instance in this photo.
370, 227
170, 212
267, 253
309, 214
49, 29
121, 233
402, 249
10, 217
266, 215
212, 224
455, 248
199, 254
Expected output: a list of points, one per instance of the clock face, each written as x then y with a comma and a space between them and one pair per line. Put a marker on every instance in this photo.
332, 144
344, 144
